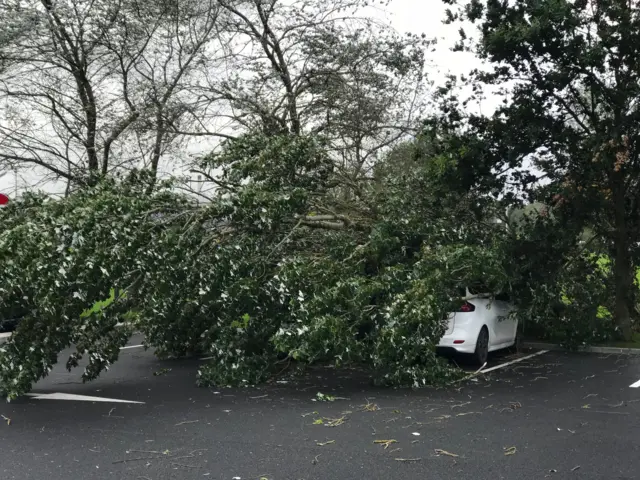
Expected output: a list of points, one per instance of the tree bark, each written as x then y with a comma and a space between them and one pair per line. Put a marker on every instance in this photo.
622, 268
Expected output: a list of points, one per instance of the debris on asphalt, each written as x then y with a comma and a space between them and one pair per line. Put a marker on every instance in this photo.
512, 406
6, 419
318, 421
510, 450
575, 468
415, 434
322, 397
439, 451
186, 422
407, 459
370, 407
162, 371
442, 417
310, 413
460, 405
586, 406
315, 460
328, 442
259, 396
385, 443
334, 422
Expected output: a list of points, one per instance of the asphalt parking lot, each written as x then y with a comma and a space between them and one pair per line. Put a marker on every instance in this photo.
553, 415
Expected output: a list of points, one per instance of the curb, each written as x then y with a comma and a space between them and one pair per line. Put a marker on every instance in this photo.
606, 350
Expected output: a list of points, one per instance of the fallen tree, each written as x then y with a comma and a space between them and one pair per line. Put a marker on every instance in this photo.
277, 266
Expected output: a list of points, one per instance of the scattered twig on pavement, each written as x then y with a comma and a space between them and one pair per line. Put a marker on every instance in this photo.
369, 407
136, 459
575, 468
510, 450
183, 465
512, 406
385, 443
186, 422
334, 422
315, 460
6, 419
407, 459
328, 442
460, 405
439, 451
259, 396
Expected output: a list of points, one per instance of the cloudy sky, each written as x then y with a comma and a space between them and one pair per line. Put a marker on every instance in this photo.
416, 16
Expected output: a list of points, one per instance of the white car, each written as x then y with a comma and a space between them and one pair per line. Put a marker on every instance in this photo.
483, 323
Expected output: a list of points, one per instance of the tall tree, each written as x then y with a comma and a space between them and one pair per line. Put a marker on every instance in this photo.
572, 73
312, 66
84, 79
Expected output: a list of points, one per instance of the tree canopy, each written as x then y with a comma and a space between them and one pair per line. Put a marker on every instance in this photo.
340, 220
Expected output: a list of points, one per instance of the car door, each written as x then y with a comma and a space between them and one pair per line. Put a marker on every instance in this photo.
493, 316
506, 323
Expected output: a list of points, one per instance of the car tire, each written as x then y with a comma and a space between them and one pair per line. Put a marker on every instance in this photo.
482, 347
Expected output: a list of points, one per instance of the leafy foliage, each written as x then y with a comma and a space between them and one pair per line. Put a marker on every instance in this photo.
571, 75
258, 275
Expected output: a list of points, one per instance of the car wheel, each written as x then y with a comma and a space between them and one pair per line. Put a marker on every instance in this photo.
482, 347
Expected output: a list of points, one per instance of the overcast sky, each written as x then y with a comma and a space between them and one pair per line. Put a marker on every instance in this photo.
416, 16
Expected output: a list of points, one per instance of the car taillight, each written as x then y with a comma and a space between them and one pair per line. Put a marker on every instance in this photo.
467, 307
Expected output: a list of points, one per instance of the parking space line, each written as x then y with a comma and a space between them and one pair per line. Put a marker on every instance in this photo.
514, 361
81, 398
635, 385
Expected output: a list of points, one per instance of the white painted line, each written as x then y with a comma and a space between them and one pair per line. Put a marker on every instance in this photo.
131, 346
79, 398
514, 361
635, 385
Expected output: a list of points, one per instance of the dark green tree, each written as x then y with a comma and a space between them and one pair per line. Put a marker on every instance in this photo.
572, 73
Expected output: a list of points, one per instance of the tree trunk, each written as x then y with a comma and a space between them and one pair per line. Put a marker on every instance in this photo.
622, 268
623, 274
